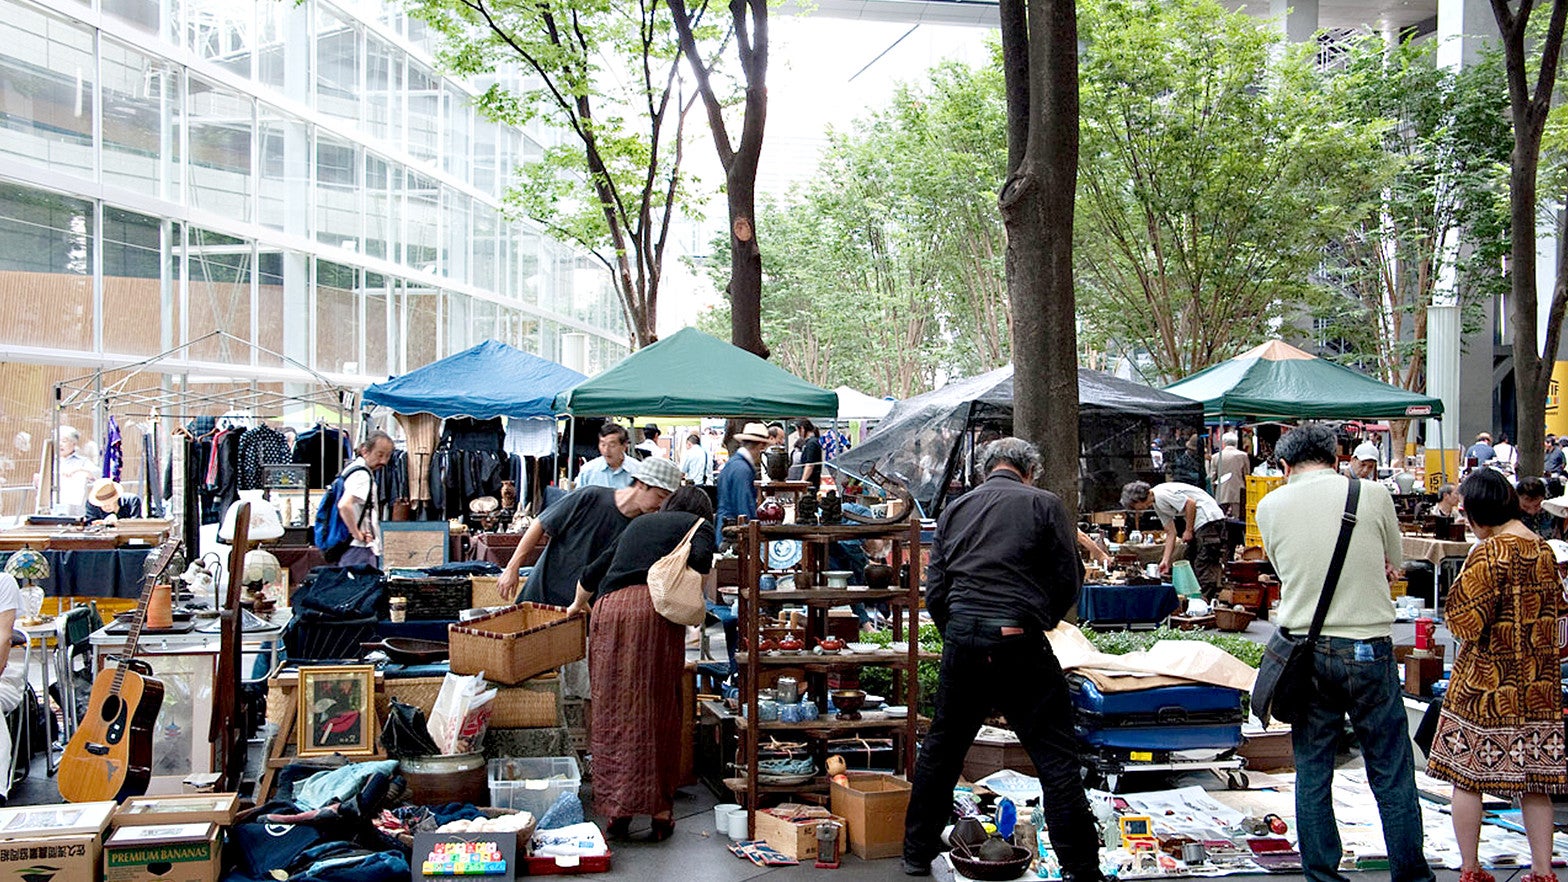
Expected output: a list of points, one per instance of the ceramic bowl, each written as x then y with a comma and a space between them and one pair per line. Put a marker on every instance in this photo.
861, 647
837, 578
896, 711
873, 701
899, 646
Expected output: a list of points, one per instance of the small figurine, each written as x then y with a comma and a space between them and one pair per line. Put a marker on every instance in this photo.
831, 509
806, 509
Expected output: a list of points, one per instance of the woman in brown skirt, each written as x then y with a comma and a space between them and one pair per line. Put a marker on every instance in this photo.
1501, 727
635, 661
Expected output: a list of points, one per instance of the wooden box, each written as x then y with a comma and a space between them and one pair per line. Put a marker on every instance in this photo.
986, 756
874, 807
791, 829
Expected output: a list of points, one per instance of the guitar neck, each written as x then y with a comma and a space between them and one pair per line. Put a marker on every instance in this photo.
156, 564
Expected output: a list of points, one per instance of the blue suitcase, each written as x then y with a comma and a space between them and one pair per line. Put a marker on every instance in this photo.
1161, 719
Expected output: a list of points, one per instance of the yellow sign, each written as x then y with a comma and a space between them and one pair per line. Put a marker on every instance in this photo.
1556, 415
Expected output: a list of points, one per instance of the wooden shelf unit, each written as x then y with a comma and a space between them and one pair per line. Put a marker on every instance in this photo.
905, 603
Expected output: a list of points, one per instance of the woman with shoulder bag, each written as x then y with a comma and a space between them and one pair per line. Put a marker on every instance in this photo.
1501, 727
636, 657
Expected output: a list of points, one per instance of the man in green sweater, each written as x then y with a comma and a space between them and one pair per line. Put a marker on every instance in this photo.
1353, 661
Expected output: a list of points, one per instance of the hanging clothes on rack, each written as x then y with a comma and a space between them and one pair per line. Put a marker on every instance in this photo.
325, 451
152, 473
420, 432
113, 454
260, 446
392, 482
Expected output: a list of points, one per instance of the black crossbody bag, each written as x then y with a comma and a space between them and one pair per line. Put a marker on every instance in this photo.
1285, 685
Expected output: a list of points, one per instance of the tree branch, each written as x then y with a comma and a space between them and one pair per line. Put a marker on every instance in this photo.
688, 45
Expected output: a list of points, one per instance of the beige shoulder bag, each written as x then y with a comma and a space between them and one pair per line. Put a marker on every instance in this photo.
676, 589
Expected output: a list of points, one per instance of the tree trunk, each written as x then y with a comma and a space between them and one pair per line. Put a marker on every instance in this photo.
1529, 376
745, 286
1040, 57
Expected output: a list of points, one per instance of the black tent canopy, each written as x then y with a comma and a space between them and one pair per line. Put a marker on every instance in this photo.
928, 441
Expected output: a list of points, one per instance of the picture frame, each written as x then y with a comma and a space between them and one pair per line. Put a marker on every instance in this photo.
293, 506
336, 713
414, 545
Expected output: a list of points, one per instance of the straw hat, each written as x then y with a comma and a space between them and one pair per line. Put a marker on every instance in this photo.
753, 432
106, 494
656, 472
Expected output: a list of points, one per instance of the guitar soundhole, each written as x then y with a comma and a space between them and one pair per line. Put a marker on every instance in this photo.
111, 708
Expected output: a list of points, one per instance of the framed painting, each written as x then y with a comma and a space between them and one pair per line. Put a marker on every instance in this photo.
336, 711
413, 545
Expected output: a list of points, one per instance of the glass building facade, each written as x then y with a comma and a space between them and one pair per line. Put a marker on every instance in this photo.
297, 174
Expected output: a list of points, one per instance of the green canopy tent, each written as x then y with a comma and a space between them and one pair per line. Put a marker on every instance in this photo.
690, 374
1277, 381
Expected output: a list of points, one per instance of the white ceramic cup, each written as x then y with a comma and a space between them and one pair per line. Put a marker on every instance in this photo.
721, 817
739, 819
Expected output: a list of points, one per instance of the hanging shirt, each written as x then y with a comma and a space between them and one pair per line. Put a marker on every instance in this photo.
260, 446
113, 452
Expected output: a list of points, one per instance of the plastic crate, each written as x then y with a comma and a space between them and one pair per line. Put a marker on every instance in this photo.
532, 784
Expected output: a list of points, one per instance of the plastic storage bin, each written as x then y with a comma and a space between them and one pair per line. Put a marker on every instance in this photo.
532, 784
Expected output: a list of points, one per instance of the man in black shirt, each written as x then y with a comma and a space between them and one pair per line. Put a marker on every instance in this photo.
811, 455
1004, 570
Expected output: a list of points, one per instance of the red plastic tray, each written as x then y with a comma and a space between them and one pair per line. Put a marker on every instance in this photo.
546, 866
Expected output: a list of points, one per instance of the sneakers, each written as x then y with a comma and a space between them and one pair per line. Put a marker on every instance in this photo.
1480, 875
913, 867
1527, 877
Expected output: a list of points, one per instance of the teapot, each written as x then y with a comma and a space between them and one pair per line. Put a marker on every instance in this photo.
767, 644
769, 511
830, 643
791, 643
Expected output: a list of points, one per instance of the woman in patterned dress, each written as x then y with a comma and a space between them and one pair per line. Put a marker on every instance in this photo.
1501, 727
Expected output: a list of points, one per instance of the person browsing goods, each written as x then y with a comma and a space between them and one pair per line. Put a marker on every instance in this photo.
609, 468
1353, 659
1229, 468
1203, 526
581, 526
1003, 571
360, 506
696, 463
737, 487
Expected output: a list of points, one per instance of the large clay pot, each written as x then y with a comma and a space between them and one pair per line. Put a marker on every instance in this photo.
769, 511
776, 461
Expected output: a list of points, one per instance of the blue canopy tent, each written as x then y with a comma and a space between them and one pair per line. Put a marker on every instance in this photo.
489, 380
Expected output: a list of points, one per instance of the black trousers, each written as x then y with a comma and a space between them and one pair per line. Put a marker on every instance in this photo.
1020, 676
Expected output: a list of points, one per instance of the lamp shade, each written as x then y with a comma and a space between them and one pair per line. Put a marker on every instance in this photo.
27, 564
264, 521
261, 566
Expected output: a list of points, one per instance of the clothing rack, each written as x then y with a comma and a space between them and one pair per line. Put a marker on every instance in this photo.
172, 387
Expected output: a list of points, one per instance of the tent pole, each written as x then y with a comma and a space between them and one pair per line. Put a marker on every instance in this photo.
571, 446
1442, 461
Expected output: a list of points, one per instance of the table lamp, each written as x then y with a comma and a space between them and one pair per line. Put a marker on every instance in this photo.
30, 567
265, 522
261, 569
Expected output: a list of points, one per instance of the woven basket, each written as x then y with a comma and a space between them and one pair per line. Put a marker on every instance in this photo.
432, 597
524, 836
486, 593
535, 704
518, 643
1232, 619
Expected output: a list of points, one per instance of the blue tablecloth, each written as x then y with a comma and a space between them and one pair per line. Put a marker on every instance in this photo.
1133, 604
116, 573
421, 630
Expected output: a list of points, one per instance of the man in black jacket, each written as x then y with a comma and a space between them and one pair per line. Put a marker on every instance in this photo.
1004, 570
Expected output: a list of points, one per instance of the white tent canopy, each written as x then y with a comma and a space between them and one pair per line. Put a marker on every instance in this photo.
854, 405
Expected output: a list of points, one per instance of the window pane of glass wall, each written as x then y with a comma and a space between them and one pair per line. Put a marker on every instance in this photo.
481, 321
218, 294
337, 191
220, 136
519, 329
141, 14
282, 281
337, 65
46, 90
454, 245
141, 97
458, 123
421, 324
135, 319
220, 31
337, 316
383, 88
377, 316
455, 316
424, 112
380, 207
422, 205
46, 260
484, 242
284, 163
530, 281
487, 136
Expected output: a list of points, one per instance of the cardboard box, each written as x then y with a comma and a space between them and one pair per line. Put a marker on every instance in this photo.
163, 853
791, 829
874, 807
184, 808
63, 838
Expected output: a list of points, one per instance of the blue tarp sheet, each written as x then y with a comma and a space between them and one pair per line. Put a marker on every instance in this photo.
489, 380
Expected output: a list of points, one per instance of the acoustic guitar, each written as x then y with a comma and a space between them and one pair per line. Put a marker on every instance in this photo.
110, 756
227, 731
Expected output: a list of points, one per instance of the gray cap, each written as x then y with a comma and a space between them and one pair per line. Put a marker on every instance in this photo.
656, 471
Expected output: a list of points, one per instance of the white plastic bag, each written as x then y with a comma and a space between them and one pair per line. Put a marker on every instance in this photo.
461, 713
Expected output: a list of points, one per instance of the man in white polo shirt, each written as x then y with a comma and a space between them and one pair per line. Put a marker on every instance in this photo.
1203, 526
1353, 660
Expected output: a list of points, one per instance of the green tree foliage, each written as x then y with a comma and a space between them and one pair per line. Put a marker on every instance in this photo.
886, 267
1213, 173
1445, 139
606, 75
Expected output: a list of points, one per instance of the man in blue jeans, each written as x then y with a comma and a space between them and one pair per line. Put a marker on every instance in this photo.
1353, 662
1004, 569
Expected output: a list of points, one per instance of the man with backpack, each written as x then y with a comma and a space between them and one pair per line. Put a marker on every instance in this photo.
358, 507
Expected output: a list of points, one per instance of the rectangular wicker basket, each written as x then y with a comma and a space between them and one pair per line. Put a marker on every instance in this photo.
518, 642
535, 704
